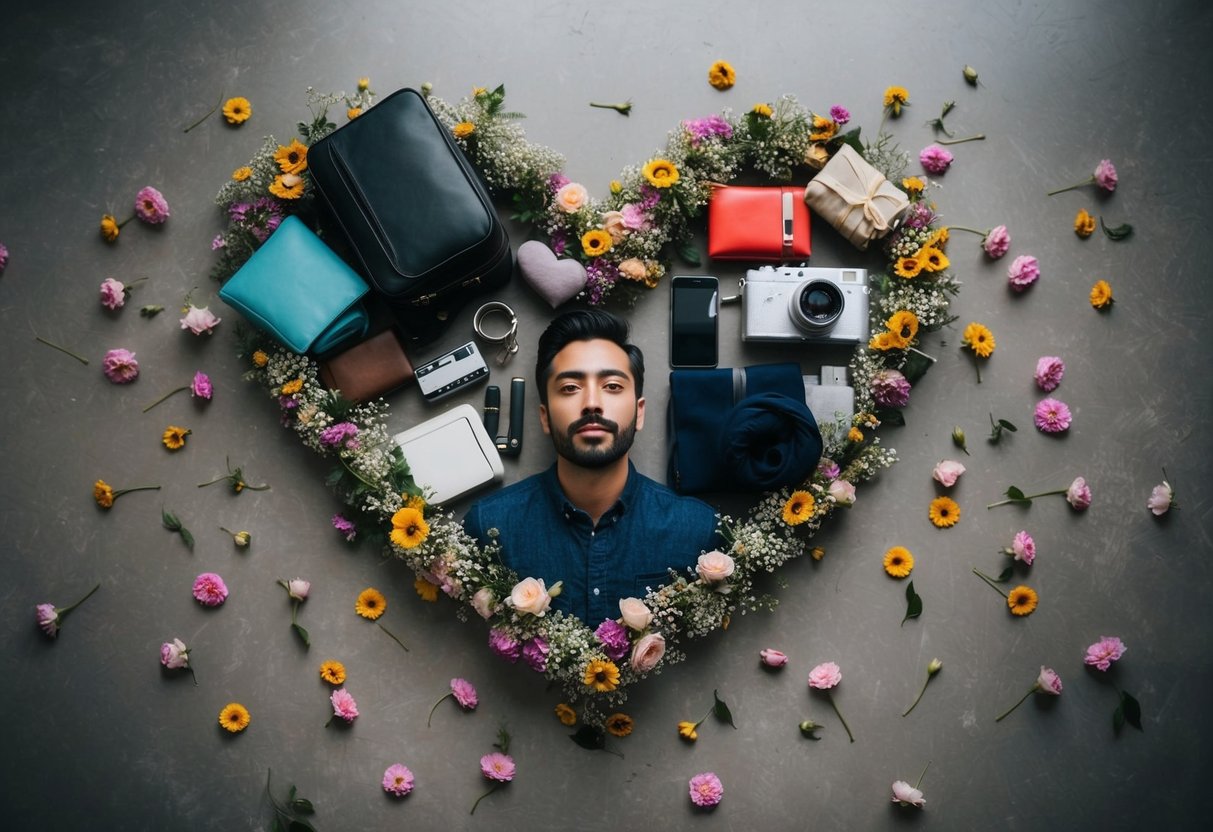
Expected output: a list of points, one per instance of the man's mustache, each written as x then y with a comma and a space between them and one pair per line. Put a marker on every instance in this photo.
586, 421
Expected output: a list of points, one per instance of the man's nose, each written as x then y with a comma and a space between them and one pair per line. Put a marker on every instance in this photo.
591, 401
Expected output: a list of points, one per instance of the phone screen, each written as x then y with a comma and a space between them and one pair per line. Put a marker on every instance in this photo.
693, 322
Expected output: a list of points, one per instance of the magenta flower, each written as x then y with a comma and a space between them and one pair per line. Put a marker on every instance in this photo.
498, 767
150, 206
1024, 271
218, 242
935, 159
773, 658
201, 386
614, 639
535, 653
1078, 495
1102, 653
174, 655
120, 366
200, 321
1049, 370
840, 114
113, 293
343, 525
1052, 416
49, 617
1105, 175
706, 789
828, 468
504, 645
210, 590
890, 388
344, 706
340, 435
397, 780
462, 692
1047, 683
997, 242
1022, 548
3, 257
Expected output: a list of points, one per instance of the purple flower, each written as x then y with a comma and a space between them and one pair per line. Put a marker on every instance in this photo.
828, 468
559, 242
504, 645
340, 435
557, 180
174, 654
344, 705
150, 206
649, 197
920, 215
1105, 175
1023, 548
705, 128
120, 366
890, 389
635, 218
465, 694
113, 293
345, 526
210, 590
1102, 653
1049, 370
706, 789
614, 639
996, 242
1078, 495
935, 159
201, 386
1052, 416
3, 257
535, 652
1024, 271
48, 619
238, 211
840, 114
498, 767
218, 242
397, 780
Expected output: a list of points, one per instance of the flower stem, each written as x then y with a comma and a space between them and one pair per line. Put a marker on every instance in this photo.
164, 397
924, 774
66, 610
917, 700
395, 639
622, 109
1071, 187
1028, 498
120, 492
81, 359
192, 676
989, 581
482, 797
977, 366
840, 717
970, 230
431, 716
1007, 712
930, 358
210, 113
975, 138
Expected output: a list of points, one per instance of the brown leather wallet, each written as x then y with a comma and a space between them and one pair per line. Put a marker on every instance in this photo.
369, 369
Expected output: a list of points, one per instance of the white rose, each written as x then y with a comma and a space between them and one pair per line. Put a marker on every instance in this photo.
530, 595
842, 492
484, 603
635, 614
714, 567
648, 652
298, 588
612, 223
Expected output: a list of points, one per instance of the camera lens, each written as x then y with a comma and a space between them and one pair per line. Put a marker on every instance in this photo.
816, 306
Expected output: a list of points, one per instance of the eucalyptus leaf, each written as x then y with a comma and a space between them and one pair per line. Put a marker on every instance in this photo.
291, 794
589, 737
1118, 718
1003, 423
722, 711
170, 521
334, 477
913, 603
851, 137
1119, 232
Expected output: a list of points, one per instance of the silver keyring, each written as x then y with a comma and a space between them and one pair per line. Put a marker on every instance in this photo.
508, 340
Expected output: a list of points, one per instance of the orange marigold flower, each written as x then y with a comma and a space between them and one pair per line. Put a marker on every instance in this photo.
944, 512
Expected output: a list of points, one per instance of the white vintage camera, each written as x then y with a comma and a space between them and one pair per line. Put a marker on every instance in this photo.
798, 303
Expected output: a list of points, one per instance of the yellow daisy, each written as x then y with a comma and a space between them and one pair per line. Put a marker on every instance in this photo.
944, 512
762, 109
370, 604
291, 158
620, 725
427, 590
913, 185
1022, 600
817, 552
939, 239
241, 173
353, 113
904, 326
463, 129
292, 387
885, 341
979, 339
415, 501
332, 672
109, 228
234, 717
409, 528
566, 715
721, 75
798, 508
364, 84
661, 173
1101, 294
601, 675
908, 267
616, 186
898, 562
103, 494
855, 435
895, 97
595, 243
687, 730
933, 260
174, 437
1084, 223
237, 110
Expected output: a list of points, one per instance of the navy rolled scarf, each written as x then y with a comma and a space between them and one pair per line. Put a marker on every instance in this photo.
769, 441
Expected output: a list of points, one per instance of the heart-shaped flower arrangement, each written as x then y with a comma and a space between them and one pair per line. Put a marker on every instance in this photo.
650, 207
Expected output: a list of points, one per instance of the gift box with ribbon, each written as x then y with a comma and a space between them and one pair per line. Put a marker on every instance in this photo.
855, 198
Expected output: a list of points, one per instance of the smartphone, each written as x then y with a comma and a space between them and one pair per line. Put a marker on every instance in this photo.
694, 321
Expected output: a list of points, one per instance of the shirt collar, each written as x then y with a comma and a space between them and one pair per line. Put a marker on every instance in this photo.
626, 499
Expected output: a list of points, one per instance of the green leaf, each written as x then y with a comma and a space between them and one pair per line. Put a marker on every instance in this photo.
851, 137
277, 827
186, 536
1120, 232
1130, 708
1118, 717
589, 738
1005, 575
722, 711
687, 253
302, 634
916, 367
300, 825
302, 805
503, 740
170, 521
1014, 493
890, 416
1003, 423
291, 794
334, 477
913, 603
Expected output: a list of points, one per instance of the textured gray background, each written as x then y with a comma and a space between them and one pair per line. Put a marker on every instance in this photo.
98, 738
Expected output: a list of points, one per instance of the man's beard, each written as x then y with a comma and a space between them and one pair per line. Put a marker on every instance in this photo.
595, 456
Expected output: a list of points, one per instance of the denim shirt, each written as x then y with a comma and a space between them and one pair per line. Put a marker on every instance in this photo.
542, 535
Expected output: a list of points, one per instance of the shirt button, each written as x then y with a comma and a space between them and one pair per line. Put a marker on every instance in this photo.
595, 590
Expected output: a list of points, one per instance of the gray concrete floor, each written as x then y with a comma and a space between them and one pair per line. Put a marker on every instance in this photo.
96, 97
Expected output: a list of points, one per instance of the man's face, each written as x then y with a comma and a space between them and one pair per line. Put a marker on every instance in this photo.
592, 412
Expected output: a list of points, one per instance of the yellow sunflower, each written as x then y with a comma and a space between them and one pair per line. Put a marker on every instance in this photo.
913, 185
291, 158
908, 267
292, 387
1022, 600
661, 173
601, 675
260, 359
938, 240
409, 528
370, 604
855, 435
979, 339
798, 508
933, 260
241, 173
234, 717
944, 512
823, 129
895, 97
109, 228
721, 75
595, 243
103, 494
174, 437
463, 129
415, 501
762, 109
898, 562
332, 672
1084, 223
1101, 294
287, 186
904, 326
237, 110
620, 725
427, 590
566, 715
885, 341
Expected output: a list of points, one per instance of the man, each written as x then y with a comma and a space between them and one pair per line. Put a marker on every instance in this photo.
591, 520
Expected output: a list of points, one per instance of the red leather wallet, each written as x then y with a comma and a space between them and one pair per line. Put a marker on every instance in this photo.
755, 223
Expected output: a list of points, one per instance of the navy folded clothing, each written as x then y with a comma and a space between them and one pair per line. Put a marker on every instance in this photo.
769, 441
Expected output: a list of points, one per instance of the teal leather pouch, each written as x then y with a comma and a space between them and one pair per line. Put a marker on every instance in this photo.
298, 290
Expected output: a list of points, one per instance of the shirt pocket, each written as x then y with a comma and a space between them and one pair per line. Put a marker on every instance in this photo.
649, 580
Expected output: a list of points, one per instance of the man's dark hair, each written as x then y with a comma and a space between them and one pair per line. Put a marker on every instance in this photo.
585, 325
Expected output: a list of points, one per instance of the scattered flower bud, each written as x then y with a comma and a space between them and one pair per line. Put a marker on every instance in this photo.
970, 75
817, 552
773, 658
808, 727
958, 439
151, 310
241, 539
426, 89
934, 667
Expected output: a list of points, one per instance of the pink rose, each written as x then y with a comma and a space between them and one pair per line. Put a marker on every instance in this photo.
571, 198
1052, 416
713, 567
935, 159
1023, 547
843, 492
947, 472
907, 795
120, 366
997, 242
1048, 681
612, 223
825, 676
648, 652
210, 590
1105, 175
113, 293
1078, 495
634, 613
773, 658
484, 603
174, 655
1049, 370
200, 321
1102, 653
531, 596
344, 705
297, 588
1024, 271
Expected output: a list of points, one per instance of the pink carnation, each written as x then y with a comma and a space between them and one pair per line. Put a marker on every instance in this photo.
1048, 681
1102, 653
890, 388
825, 676
398, 780
1023, 547
1049, 370
201, 386
344, 705
635, 218
706, 789
996, 242
906, 795
613, 637
1052, 416
1105, 175
935, 159
345, 526
1078, 495
120, 366
210, 590
840, 114
497, 766
113, 293
48, 619
465, 694
504, 645
535, 653
150, 206
1024, 271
